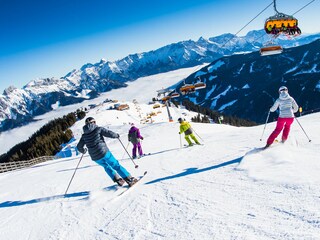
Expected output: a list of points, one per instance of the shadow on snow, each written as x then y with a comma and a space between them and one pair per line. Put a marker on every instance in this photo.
190, 171
84, 194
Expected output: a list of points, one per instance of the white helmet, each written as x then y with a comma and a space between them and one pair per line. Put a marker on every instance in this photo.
283, 88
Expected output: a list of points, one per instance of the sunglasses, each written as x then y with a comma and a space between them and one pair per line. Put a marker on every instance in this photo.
283, 90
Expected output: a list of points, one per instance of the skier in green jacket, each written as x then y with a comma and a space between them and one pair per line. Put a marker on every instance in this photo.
185, 128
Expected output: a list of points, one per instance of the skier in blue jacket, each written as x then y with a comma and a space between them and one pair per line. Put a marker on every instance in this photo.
93, 138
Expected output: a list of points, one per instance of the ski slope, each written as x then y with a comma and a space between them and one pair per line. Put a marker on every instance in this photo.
224, 189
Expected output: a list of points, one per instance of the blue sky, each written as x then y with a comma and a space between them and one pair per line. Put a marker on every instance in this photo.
49, 38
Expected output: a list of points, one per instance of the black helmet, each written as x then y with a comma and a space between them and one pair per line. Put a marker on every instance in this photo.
90, 120
180, 120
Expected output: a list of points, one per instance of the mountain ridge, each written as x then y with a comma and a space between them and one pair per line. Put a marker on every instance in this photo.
245, 85
18, 106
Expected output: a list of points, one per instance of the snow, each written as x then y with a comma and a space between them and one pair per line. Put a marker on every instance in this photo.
241, 68
312, 70
212, 77
224, 189
211, 91
216, 98
246, 86
251, 67
199, 73
224, 106
215, 66
55, 105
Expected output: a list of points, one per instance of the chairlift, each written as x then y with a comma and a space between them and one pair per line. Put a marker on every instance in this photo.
187, 88
175, 94
166, 98
270, 50
200, 85
281, 23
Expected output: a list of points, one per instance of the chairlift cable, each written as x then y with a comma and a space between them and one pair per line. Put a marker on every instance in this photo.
247, 24
291, 15
274, 6
237, 33
241, 30
303, 7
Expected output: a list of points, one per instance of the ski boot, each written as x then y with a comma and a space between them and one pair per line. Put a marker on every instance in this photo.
119, 181
131, 180
266, 146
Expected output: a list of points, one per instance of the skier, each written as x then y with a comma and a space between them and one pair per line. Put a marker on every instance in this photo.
287, 106
93, 138
134, 137
185, 128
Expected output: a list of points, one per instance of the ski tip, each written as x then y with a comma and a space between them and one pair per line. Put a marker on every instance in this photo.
145, 173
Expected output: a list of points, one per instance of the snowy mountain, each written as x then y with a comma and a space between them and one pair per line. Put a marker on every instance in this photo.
18, 106
224, 189
133, 91
245, 85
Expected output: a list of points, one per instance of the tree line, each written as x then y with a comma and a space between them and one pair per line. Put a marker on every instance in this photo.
206, 115
46, 141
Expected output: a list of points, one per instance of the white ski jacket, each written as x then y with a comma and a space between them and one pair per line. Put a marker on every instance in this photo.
287, 106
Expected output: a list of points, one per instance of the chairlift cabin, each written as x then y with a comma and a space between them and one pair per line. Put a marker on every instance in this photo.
175, 95
270, 50
281, 23
199, 85
166, 98
187, 88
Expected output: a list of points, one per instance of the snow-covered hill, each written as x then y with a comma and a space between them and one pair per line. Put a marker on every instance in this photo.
143, 90
224, 189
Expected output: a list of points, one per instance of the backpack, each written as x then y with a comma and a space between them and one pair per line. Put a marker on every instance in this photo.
132, 137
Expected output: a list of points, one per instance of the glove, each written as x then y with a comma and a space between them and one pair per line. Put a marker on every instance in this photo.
85, 150
179, 132
141, 138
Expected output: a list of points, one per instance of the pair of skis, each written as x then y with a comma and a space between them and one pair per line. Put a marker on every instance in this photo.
143, 155
194, 144
122, 190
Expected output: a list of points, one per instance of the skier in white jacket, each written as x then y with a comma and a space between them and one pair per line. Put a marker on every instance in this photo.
287, 106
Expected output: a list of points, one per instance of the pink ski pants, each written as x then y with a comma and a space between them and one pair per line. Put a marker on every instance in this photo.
282, 123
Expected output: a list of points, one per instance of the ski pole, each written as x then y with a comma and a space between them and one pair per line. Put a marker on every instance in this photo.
125, 152
135, 165
265, 125
73, 175
303, 129
197, 134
